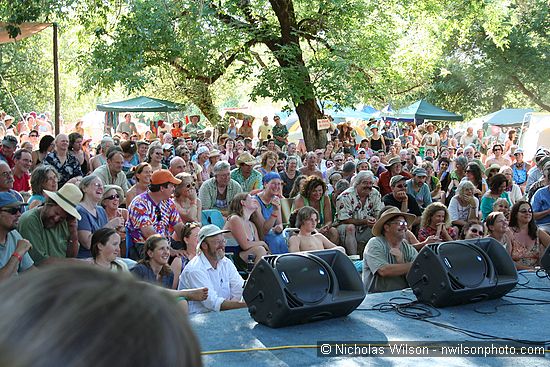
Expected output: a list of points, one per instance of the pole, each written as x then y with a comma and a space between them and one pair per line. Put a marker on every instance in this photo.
56, 80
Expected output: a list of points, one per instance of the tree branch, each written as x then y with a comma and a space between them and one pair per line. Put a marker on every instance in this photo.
259, 59
529, 94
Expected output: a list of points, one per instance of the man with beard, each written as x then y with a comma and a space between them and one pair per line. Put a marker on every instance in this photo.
14, 257
388, 257
52, 228
211, 269
357, 209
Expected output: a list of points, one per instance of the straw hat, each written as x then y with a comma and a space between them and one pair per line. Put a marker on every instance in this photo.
67, 198
389, 214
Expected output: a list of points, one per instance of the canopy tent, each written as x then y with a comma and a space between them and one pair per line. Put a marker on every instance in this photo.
25, 30
138, 104
509, 117
423, 110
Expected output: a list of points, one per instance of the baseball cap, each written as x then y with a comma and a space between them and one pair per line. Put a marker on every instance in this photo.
10, 140
164, 176
10, 200
397, 178
419, 172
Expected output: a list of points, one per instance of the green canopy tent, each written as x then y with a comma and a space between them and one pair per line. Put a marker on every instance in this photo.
138, 104
423, 110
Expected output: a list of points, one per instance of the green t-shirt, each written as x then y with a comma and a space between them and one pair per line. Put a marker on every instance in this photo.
376, 255
45, 242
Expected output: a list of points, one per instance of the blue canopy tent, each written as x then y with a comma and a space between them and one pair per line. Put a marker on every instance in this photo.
509, 117
423, 110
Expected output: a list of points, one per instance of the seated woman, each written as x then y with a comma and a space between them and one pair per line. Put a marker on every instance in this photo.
268, 216
497, 189
185, 198
93, 215
528, 241
314, 194
436, 222
44, 177
297, 187
105, 250
496, 225
463, 207
475, 176
154, 269
513, 190
472, 230
244, 232
187, 247
268, 163
110, 201
142, 174
308, 239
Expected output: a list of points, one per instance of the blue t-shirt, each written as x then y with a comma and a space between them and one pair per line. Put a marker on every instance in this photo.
90, 223
541, 202
7, 249
423, 197
145, 273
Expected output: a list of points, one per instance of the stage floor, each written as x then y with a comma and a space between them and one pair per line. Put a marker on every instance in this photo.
509, 317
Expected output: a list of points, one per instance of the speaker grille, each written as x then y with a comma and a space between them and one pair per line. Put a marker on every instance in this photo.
291, 300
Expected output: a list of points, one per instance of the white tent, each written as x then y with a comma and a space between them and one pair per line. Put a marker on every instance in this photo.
536, 135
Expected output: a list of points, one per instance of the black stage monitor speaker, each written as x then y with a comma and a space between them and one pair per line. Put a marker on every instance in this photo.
302, 287
458, 272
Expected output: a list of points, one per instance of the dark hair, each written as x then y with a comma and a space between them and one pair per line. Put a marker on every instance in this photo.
102, 235
45, 143
496, 181
39, 178
532, 228
476, 172
72, 138
188, 227
89, 296
444, 159
150, 245
296, 186
312, 182
114, 150
17, 155
136, 170
305, 213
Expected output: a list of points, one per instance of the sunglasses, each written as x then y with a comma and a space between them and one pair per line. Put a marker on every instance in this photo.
189, 185
475, 230
401, 223
113, 197
400, 186
523, 211
12, 211
33, 136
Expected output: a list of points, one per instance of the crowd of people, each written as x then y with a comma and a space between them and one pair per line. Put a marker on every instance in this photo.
165, 206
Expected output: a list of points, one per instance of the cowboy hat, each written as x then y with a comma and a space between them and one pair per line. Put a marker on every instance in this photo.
67, 198
386, 216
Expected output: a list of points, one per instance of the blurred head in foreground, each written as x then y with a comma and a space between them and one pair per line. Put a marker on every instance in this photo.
79, 315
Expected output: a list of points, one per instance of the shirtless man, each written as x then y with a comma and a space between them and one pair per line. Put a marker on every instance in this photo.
308, 239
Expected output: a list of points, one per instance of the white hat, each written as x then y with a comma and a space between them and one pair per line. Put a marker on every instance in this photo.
210, 230
67, 198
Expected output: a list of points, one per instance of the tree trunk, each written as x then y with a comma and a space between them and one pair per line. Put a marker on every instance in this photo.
289, 55
308, 112
199, 93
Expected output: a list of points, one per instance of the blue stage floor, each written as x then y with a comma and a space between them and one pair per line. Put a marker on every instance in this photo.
507, 317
